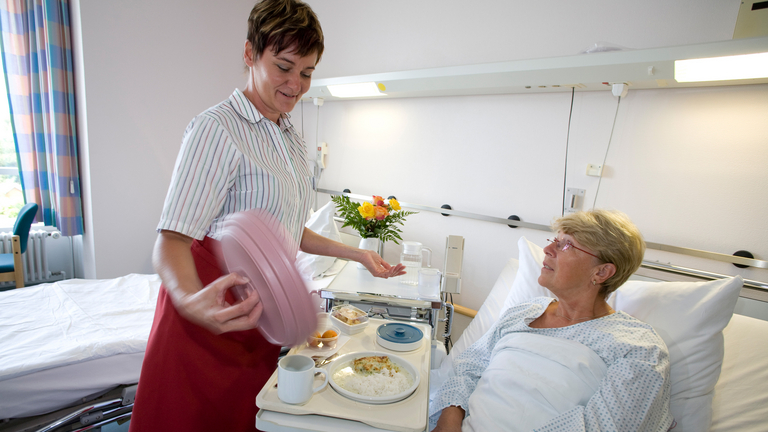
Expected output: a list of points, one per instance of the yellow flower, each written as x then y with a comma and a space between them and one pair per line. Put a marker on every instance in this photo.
366, 210
394, 204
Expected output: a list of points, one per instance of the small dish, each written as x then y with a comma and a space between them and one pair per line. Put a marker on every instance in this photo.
317, 340
349, 319
344, 361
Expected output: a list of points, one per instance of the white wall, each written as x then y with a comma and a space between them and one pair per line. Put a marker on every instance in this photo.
148, 67
685, 164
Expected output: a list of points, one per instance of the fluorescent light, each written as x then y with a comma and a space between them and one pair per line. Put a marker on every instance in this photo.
748, 66
357, 90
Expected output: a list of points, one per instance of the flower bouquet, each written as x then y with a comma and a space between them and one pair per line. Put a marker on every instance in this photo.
375, 219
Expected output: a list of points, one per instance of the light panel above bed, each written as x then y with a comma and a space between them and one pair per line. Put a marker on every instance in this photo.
640, 69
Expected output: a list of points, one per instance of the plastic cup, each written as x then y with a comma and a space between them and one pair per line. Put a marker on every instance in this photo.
429, 282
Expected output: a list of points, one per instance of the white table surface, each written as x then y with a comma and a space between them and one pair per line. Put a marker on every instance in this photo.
276, 416
351, 279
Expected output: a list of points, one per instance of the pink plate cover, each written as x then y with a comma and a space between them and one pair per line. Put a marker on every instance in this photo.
253, 244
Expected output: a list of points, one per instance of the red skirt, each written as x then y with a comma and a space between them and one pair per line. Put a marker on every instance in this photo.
193, 380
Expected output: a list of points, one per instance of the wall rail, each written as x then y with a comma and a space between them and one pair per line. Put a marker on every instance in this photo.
756, 263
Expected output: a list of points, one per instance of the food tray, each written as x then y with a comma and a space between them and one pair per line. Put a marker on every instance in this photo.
407, 415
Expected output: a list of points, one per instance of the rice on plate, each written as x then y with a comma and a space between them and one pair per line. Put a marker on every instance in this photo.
373, 377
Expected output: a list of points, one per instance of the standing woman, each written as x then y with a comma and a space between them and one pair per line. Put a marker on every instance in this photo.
205, 360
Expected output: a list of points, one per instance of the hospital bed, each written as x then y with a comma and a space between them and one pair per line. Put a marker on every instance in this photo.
71, 351
719, 360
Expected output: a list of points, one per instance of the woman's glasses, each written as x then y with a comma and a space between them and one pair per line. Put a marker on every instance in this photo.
564, 245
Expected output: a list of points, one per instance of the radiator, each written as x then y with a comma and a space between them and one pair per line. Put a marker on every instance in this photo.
35, 259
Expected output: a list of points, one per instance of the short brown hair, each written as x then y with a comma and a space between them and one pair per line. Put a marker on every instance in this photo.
613, 238
283, 24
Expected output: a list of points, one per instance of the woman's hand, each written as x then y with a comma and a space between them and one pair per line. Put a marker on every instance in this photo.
450, 420
202, 305
314, 243
378, 267
208, 308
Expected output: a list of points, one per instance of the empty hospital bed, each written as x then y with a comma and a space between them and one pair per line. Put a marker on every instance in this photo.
71, 351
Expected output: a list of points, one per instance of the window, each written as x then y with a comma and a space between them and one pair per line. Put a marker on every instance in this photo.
11, 196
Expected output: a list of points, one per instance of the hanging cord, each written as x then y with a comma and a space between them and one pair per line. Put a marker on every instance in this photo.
606, 151
318, 170
448, 341
567, 141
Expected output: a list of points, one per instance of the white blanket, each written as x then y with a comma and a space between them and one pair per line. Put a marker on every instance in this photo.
72, 321
530, 380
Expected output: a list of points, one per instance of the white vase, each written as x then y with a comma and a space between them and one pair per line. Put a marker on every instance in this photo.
371, 243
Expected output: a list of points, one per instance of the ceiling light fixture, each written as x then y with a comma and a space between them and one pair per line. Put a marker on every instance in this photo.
737, 67
366, 89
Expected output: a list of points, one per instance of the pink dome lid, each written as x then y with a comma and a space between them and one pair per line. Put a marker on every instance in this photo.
253, 244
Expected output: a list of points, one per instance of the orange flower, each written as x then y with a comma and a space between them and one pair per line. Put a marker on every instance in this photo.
366, 210
381, 212
377, 200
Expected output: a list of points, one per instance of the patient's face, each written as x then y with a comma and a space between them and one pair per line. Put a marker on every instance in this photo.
568, 270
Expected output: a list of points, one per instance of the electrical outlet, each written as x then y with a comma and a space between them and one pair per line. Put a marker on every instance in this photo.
572, 204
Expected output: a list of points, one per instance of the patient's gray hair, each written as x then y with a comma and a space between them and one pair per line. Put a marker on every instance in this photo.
613, 238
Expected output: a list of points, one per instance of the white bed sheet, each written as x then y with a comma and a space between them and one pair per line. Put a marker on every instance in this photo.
63, 341
740, 400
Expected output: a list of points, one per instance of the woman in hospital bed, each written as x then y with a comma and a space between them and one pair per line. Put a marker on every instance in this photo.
571, 363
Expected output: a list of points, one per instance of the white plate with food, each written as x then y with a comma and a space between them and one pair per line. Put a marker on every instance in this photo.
373, 377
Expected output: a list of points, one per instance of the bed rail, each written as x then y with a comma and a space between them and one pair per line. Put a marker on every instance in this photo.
464, 310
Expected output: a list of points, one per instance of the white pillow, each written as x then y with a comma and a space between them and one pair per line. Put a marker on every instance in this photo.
311, 266
526, 284
689, 317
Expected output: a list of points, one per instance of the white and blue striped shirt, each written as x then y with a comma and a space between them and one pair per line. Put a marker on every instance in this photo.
232, 159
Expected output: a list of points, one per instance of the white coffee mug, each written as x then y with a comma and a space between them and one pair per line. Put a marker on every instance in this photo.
429, 282
295, 377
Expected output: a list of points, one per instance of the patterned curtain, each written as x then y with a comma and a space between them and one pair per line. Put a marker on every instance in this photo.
37, 54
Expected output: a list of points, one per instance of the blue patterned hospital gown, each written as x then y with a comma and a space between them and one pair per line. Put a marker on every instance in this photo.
633, 395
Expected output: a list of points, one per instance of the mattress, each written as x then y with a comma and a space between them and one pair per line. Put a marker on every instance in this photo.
68, 340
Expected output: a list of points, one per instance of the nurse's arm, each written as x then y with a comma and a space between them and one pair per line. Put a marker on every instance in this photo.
314, 243
204, 306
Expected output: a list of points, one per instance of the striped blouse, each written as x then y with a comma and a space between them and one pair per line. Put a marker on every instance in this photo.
232, 158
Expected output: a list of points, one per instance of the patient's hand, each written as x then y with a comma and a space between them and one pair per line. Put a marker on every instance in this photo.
207, 307
450, 420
